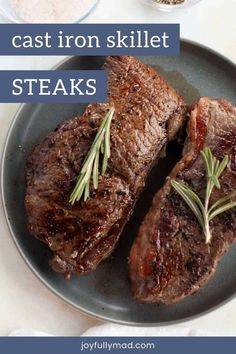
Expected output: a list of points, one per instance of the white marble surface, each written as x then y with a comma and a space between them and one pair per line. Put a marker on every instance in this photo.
24, 301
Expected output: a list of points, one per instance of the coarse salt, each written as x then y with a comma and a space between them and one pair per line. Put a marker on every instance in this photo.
51, 11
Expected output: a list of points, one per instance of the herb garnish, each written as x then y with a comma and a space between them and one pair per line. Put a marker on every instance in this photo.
203, 211
90, 168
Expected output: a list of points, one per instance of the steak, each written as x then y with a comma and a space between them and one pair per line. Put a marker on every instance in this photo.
170, 258
148, 113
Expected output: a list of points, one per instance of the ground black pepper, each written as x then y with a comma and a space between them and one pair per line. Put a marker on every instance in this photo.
170, 2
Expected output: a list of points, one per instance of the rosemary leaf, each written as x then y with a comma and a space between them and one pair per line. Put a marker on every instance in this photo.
96, 170
191, 194
104, 164
222, 201
206, 162
204, 213
216, 182
107, 139
87, 184
90, 168
196, 198
102, 148
192, 205
222, 166
79, 191
222, 210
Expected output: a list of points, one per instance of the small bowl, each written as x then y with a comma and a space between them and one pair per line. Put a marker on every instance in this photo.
7, 10
168, 8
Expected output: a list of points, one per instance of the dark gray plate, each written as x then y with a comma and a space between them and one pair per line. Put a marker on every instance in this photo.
105, 293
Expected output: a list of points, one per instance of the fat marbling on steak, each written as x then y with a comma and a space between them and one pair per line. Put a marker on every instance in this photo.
170, 258
148, 113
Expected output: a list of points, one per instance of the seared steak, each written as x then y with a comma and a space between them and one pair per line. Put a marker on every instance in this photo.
170, 258
148, 113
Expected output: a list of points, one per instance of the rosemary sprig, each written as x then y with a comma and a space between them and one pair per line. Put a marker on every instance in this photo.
90, 168
202, 210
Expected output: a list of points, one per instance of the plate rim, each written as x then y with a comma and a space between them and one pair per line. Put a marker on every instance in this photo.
54, 291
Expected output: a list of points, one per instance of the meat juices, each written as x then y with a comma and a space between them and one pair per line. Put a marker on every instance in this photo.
148, 113
170, 258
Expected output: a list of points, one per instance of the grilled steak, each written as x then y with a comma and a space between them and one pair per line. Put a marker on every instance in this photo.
170, 258
148, 113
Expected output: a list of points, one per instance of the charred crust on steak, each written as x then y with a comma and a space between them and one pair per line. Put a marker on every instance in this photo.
148, 113
170, 258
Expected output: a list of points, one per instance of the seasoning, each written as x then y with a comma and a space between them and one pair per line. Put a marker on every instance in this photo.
51, 11
170, 2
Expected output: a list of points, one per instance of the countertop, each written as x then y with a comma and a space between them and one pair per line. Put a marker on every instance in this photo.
25, 302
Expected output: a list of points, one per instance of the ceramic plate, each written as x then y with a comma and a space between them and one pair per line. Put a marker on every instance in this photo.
105, 293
